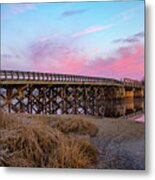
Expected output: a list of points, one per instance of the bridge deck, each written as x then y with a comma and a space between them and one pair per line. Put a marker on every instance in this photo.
21, 77
22, 82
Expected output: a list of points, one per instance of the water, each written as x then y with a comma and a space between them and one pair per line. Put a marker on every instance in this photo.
128, 109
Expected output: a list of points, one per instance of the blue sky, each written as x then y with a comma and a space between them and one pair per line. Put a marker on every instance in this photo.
89, 29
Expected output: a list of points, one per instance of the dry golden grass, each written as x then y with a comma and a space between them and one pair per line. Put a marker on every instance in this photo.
66, 123
36, 144
7, 121
75, 125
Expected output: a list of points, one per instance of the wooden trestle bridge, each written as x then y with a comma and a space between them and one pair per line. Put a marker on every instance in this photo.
44, 93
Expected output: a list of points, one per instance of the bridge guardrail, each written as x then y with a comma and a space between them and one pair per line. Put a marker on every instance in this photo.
35, 76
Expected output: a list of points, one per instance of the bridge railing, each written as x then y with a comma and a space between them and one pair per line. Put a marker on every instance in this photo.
36, 76
132, 82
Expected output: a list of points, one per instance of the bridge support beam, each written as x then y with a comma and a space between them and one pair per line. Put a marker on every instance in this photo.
113, 92
58, 99
63, 98
139, 93
129, 93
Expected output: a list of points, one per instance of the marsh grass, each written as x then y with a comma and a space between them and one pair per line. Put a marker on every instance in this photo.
76, 125
67, 123
36, 144
64, 141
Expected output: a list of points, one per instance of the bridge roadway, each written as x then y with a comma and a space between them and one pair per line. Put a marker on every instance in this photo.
45, 93
23, 77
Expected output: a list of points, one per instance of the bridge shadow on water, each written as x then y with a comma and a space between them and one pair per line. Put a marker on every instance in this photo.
126, 108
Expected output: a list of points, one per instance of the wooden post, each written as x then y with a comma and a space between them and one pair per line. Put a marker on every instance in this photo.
8, 97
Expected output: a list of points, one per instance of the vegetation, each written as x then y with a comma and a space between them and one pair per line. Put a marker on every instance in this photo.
76, 125
70, 141
36, 144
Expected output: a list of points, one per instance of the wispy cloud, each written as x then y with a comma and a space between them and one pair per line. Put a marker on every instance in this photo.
13, 9
49, 37
73, 12
92, 29
131, 39
14, 61
125, 16
126, 40
19, 8
139, 35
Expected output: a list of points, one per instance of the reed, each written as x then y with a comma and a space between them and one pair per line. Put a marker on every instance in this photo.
36, 144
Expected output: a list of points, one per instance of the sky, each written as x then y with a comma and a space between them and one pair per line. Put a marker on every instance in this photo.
104, 39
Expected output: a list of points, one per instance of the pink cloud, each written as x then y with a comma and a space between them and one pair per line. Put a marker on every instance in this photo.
57, 57
92, 29
62, 56
65, 58
125, 62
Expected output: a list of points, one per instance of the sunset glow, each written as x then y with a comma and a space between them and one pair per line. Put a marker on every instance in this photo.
103, 39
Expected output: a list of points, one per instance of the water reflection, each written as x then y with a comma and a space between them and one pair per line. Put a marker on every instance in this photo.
125, 108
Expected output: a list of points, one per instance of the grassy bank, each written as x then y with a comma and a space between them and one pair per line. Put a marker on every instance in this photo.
68, 141
44, 143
